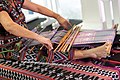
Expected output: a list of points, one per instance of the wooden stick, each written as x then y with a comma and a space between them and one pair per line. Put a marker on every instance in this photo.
63, 39
66, 45
64, 48
78, 30
32, 49
41, 47
71, 39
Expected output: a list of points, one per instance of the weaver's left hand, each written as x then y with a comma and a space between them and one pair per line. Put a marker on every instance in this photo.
63, 22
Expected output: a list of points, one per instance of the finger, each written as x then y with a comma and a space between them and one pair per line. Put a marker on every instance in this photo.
49, 47
70, 24
67, 25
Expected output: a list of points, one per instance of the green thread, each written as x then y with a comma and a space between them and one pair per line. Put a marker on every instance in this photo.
7, 51
18, 45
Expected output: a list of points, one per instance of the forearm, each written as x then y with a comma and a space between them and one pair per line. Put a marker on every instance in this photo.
39, 9
14, 28
17, 30
47, 12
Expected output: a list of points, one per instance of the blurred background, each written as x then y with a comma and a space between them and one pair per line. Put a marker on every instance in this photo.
95, 14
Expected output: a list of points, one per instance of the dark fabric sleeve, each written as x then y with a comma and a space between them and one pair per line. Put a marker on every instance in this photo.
1, 5
22, 3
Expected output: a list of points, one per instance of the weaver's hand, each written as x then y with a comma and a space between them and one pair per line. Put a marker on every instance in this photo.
46, 42
63, 22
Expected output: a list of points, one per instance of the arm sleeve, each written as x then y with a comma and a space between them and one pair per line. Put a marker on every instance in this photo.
22, 2
1, 5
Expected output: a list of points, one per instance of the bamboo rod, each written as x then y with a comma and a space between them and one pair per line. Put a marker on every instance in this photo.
41, 47
78, 30
66, 45
63, 39
32, 49
64, 48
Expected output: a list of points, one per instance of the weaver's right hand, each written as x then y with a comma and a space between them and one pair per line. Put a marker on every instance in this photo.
46, 42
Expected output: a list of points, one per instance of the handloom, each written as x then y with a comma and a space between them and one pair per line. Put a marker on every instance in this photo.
35, 67
82, 39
